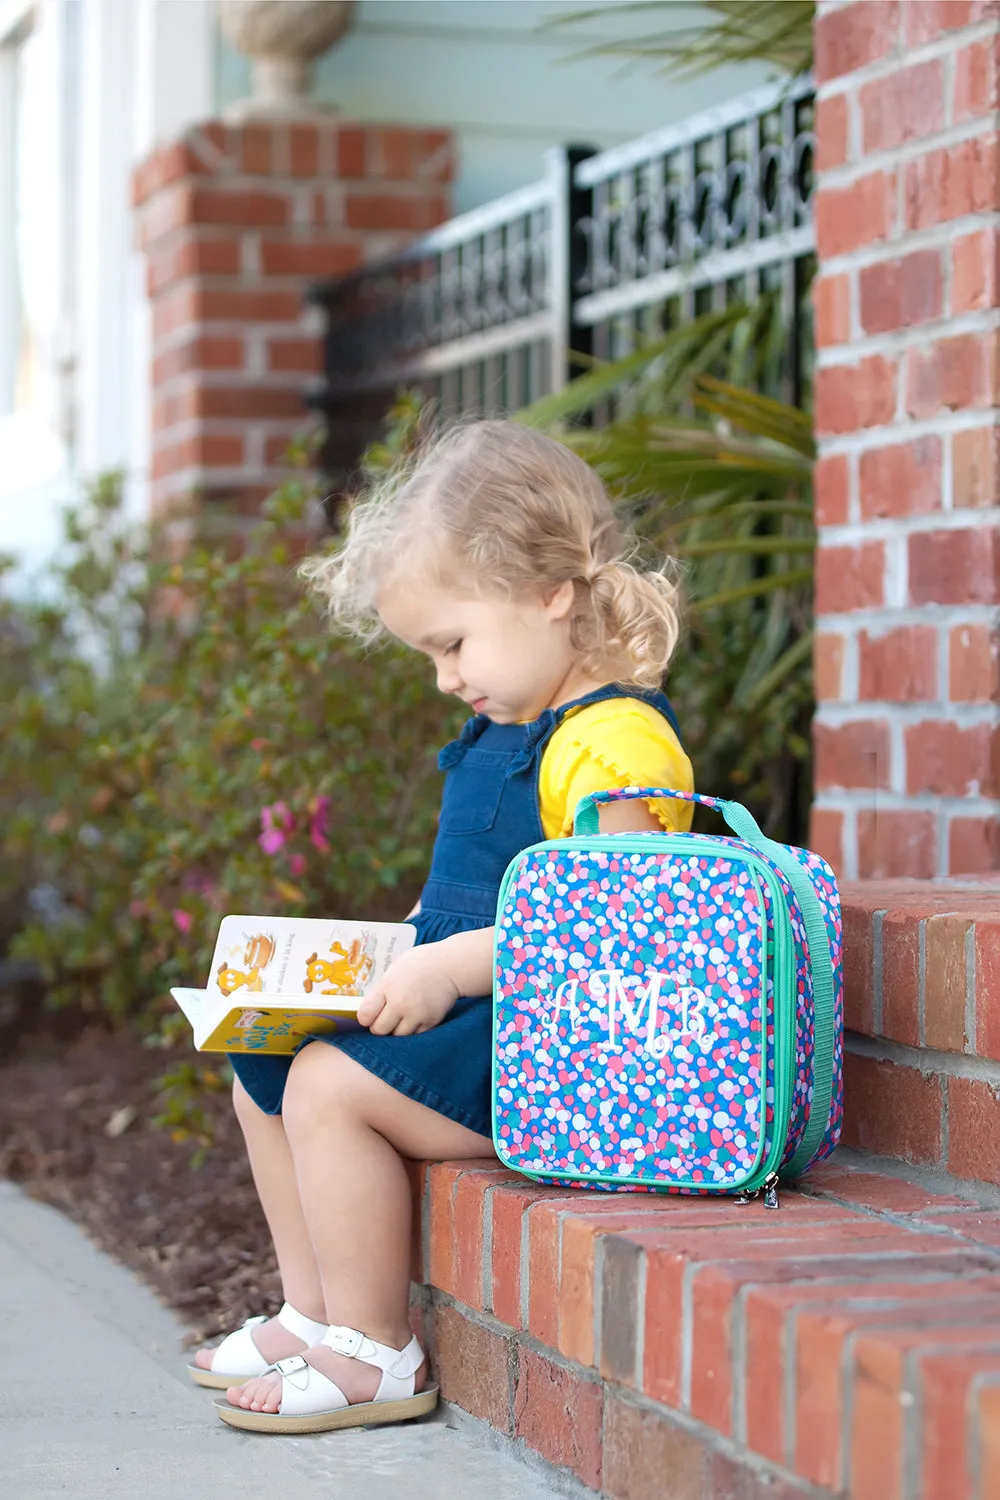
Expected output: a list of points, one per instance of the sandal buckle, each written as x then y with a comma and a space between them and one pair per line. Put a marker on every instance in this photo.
346, 1341
291, 1365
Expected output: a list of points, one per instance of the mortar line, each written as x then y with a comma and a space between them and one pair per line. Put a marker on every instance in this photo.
425, 1228
926, 1060
922, 980
738, 1360
486, 1259
598, 1309
970, 988
524, 1268
687, 1331
878, 918
640, 1322
791, 1334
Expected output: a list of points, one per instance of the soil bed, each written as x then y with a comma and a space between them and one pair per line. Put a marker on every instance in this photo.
195, 1235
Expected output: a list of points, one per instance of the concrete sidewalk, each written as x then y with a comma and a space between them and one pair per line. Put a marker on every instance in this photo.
95, 1404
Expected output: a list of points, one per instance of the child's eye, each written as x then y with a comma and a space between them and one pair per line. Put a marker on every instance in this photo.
452, 650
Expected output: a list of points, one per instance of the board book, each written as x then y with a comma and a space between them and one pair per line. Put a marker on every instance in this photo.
275, 981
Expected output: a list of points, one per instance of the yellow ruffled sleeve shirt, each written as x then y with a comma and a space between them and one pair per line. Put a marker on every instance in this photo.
618, 742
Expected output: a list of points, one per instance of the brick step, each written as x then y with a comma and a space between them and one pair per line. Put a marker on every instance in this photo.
922, 1010
847, 1344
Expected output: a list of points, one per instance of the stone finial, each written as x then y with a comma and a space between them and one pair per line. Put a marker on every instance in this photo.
283, 38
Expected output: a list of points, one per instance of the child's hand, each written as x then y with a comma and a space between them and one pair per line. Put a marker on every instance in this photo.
416, 993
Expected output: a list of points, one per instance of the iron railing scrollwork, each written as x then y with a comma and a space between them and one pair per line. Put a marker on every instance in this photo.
487, 312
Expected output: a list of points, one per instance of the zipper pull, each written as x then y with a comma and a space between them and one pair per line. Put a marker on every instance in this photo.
769, 1187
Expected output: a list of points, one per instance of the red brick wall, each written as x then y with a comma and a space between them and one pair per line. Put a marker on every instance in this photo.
907, 308
685, 1347
234, 223
922, 1008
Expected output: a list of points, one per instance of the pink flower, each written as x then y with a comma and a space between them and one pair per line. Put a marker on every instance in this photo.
137, 908
277, 823
319, 823
297, 865
182, 919
257, 744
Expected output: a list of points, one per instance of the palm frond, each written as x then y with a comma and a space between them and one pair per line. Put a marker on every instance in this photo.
779, 32
747, 546
639, 455
798, 652
677, 356
761, 415
794, 578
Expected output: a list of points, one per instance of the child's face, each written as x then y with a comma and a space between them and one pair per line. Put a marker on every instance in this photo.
508, 658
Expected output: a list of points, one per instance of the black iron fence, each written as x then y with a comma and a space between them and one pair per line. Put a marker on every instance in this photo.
486, 313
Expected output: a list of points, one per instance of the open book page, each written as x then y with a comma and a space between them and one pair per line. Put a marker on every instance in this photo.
303, 957
276, 981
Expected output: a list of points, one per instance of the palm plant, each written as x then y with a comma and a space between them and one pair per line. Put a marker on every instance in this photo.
779, 32
718, 475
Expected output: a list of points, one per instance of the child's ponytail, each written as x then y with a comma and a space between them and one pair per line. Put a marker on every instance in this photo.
634, 618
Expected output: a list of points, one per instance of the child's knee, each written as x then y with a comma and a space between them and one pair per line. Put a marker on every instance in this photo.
315, 1087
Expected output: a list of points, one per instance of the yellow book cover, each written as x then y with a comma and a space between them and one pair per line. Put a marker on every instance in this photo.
275, 981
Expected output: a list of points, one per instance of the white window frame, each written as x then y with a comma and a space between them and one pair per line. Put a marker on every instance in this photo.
119, 78
16, 21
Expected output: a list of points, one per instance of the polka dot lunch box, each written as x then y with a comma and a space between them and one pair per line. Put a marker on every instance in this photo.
668, 1008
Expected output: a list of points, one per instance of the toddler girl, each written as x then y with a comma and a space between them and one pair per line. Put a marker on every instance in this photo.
497, 555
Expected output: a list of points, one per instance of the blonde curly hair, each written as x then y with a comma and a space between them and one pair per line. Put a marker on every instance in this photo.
494, 507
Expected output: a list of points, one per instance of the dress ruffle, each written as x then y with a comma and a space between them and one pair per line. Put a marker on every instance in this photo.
623, 778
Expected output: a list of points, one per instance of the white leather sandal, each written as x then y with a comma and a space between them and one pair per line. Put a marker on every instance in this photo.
310, 1402
237, 1358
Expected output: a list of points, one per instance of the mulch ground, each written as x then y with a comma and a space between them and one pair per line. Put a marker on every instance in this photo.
195, 1235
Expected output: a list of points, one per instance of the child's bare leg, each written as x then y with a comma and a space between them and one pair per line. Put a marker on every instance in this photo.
274, 1179
348, 1131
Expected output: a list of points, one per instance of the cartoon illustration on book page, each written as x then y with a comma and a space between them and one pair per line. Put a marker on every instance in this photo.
347, 972
253, 958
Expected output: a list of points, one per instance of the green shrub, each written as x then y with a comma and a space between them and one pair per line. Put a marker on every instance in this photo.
184, 738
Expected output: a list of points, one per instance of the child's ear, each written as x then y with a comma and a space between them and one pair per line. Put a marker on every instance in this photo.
560, 600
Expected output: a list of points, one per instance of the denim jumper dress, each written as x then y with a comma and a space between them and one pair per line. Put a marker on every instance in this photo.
489, 813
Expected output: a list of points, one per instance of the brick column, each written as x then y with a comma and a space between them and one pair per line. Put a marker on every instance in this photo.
234, 223
907, 307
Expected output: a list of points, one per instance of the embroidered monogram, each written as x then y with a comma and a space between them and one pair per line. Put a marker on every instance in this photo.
654, 1004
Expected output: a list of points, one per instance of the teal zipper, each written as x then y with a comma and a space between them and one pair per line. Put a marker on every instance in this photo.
776, 957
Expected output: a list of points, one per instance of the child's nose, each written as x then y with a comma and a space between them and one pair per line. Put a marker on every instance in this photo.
448, 678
